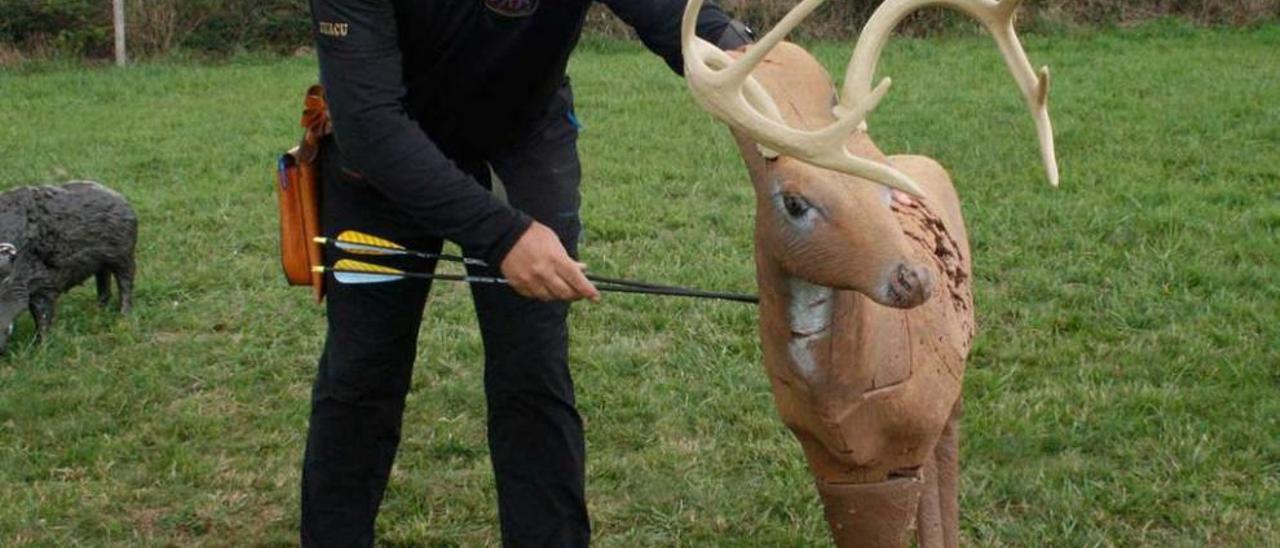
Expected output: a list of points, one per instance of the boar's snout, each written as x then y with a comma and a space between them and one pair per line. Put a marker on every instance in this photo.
8, 252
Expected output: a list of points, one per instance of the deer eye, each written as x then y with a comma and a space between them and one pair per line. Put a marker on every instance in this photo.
795, 206
8, 250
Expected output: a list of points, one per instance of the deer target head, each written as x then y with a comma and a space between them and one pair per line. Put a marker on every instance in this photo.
823, 189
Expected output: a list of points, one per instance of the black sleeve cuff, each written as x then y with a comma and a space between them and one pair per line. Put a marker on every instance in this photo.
736, 34
505, 239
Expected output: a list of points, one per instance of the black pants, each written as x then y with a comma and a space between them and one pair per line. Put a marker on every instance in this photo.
535, 433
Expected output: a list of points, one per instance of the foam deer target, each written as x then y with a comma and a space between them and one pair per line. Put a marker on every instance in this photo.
866, 310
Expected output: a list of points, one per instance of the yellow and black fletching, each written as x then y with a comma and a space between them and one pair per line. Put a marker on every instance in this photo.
359, 243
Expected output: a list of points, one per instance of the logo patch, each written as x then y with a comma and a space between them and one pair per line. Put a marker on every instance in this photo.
512, 8
336, 30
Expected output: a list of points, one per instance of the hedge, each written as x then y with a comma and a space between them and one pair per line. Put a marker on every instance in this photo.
83, 27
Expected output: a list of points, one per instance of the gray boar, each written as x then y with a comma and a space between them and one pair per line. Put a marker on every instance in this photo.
52, 238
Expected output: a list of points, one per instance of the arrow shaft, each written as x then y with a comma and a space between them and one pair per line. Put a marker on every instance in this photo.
370, 245
614, 288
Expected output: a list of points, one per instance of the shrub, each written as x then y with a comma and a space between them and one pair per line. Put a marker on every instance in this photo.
74, 27
83, 27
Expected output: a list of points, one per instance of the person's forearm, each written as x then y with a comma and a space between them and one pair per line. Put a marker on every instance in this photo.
657, 22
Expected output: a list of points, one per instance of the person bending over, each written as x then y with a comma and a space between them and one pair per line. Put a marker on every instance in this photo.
430, 99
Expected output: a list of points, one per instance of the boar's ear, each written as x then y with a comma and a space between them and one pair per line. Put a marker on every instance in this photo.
18, 229
30, 221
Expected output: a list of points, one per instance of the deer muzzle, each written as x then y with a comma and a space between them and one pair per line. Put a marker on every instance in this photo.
908, 286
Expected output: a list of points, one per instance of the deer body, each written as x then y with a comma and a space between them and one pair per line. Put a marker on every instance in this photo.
866, 309
868, 389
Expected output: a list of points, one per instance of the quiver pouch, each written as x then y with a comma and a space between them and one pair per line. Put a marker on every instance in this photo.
298, 194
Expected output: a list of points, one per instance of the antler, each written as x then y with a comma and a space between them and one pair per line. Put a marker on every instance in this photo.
724, 87
997, 16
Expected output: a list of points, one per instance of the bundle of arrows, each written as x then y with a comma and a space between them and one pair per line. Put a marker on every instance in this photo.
353, 271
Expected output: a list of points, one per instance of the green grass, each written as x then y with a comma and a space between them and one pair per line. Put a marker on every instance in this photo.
1124, 388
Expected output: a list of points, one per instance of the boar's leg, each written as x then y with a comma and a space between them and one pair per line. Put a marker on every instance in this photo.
103, 277
124, 280
42, 305
12, 305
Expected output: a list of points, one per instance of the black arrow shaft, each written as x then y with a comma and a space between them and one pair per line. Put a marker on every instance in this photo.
603, 286
617, 285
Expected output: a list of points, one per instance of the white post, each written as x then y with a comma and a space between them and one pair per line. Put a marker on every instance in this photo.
122, 57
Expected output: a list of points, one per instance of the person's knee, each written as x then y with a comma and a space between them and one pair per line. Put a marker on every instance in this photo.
567, 224
365, 374
551, 398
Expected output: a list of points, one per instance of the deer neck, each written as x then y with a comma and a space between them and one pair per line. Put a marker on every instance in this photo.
829, 341
839, 346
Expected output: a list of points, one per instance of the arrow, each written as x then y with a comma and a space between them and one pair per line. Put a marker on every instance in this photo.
360, 243
351, 271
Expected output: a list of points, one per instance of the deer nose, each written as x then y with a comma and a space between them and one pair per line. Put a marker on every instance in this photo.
909, 286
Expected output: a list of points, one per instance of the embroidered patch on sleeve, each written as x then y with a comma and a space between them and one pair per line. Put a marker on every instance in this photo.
336, 30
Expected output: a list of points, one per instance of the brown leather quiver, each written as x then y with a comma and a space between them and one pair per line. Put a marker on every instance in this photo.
298, 193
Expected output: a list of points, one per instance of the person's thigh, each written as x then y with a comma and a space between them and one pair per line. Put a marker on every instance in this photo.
542, 175
373, 327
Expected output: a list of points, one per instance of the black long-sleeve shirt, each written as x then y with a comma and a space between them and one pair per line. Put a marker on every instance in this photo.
407, 78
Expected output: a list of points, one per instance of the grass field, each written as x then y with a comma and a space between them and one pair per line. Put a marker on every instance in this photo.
1124, 388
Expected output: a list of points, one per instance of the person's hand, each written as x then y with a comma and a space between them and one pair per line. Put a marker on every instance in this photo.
538, 267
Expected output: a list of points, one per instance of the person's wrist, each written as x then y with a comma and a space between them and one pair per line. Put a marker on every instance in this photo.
736, 34
519, 225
